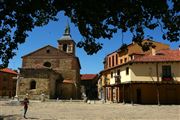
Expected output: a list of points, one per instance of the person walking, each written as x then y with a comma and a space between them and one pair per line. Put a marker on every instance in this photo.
25, 102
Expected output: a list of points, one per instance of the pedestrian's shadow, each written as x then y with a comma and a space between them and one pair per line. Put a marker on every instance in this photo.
32, 118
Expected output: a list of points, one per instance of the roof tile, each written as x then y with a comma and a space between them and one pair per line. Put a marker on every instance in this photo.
7, 70
88, 76
161, 56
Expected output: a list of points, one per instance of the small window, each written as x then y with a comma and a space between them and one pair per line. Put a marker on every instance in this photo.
33, 85
127, 71
47, 64
48, 51
111, 74
131, 57
121, 61
166, 71
118, 72
125, 59
65, 47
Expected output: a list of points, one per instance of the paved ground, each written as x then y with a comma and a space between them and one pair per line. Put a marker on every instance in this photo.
84, 111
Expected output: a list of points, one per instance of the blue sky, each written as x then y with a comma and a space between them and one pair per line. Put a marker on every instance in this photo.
49, 34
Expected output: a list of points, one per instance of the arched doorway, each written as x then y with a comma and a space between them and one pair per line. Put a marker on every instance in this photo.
57, 88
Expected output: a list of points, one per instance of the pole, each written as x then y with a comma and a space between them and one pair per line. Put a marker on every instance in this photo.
123, 95
17, 87
131, 92
18, 78
157, 83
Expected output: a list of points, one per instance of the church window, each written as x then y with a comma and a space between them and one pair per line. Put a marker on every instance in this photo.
65, 47
33, 85
48, 51
47, 64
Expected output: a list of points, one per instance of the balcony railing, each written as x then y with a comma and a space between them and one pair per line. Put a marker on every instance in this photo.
117, 79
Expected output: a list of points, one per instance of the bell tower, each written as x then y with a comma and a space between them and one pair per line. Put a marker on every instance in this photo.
66, 43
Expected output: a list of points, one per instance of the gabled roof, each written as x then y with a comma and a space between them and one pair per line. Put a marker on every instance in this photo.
88, 76
44, 48
160, 56
7, 70
38, 50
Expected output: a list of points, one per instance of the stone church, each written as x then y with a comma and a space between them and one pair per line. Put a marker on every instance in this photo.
51, 72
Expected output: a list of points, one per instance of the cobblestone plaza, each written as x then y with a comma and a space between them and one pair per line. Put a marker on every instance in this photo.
94, 111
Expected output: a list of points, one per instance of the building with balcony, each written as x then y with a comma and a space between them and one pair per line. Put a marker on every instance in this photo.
134, 76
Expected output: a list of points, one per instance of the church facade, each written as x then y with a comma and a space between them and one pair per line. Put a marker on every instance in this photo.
52, 72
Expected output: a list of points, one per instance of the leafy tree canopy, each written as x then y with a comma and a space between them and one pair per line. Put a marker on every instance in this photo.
94, 18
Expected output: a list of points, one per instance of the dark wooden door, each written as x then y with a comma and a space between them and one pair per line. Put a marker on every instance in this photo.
138, 92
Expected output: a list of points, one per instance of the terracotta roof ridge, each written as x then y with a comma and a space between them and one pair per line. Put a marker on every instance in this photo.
8, 70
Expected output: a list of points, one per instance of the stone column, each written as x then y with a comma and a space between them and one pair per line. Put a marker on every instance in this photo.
111, 97
118, 95
18, 78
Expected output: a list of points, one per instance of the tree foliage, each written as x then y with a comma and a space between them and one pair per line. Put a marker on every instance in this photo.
94, 18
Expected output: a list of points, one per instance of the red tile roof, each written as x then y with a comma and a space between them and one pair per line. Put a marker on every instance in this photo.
161, 56
88, 76
7, 70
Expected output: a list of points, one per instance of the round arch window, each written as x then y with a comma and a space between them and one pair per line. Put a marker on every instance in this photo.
47, 64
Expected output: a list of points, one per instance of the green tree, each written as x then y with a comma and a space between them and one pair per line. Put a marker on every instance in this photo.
94, 18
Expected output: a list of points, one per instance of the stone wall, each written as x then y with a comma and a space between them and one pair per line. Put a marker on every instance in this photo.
41, 87
45, 82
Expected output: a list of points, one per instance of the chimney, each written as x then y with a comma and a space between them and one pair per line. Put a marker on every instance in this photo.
153, 51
